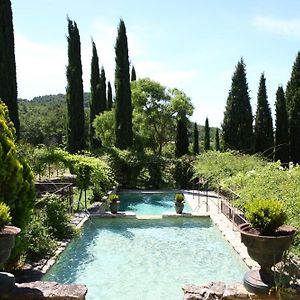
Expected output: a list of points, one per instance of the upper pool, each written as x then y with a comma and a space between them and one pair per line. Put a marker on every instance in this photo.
132, 259
148, 203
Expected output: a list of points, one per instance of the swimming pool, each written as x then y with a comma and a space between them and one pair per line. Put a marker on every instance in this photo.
149, 203
146, 259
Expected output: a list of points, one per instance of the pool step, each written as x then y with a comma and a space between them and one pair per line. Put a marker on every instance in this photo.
148, 217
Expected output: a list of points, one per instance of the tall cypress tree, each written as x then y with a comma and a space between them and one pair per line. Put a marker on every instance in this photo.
123, 111
95, 100
263, 129
74, 92
217, 140
282, 128
182, 140
133, 74
295, 127
206, 136
103, 90
196, 140
8, 77
237, 123
109, 96
294, 83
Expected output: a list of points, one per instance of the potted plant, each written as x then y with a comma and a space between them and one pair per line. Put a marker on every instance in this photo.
7, 233
113, 201
179, 203
266, 238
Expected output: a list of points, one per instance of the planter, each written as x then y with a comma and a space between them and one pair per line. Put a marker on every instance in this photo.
179, 207
266, 251
7, 242
114, 206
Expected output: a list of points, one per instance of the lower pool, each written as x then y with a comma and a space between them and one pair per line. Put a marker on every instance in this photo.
149, 203
132, 259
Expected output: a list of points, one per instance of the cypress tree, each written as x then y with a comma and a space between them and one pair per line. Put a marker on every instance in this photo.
196, 140
295, 127
263, 129
182, 141
109, 96
206, 136
95, 100
294, 83
217, 140
133, 74
74, 92
8, 77
103, 91
237, 123
123, 106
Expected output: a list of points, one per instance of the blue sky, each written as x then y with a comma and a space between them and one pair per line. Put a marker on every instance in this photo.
192, 45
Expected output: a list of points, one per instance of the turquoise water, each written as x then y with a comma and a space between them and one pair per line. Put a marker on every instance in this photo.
132, 259
149, 203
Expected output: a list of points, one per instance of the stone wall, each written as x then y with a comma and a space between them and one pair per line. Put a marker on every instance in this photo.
45, 290
220, 290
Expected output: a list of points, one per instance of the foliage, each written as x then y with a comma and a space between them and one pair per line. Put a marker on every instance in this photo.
8, 78
196, 140
215, 167
16, 177
281, 151
5, 217
184, 171
113, 198
217, 140
74, 92
104, 125
206, 136
263, 128
182, 140
179, 197
265, 215
37, 241
109, 97
133, 74
237, 123
57, 218
123, 106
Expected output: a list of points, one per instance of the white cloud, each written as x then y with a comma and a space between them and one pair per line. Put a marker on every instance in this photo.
40, 67
289, 28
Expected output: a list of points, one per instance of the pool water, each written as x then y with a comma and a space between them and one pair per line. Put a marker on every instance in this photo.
149, 203
132, 259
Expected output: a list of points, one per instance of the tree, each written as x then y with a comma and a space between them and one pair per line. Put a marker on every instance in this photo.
103, 100
263, 128
206, 136
74, 92
95, 100
294, 83
237, 123
8, 77
123, 107
282, 128
155, 112
16, 177
133, 74
196, 140
295, 127
217, 140
109, 96
182, 141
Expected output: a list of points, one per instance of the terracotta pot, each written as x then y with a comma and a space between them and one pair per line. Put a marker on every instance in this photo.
179, 207
114, 206
7, 241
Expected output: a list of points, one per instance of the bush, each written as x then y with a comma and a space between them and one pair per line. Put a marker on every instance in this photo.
113, 198
5, 217
265, 215
179, 197
57, 218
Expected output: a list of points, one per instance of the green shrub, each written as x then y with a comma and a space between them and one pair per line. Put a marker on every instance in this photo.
179, 197
265, 215
57, 218
113, 198
184, 172
37, 241
5, 217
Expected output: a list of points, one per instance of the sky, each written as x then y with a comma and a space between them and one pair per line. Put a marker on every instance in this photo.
193, 45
